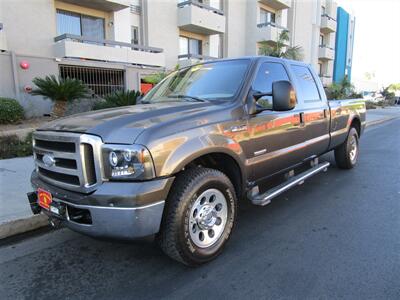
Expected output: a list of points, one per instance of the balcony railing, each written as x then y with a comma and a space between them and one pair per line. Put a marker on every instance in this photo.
325, 79
269, 32
75, 46
200, 18
136, 9
201, 5
328, 17
271, 24
89, 40
326, 52
191, 59
328, 24
196, 56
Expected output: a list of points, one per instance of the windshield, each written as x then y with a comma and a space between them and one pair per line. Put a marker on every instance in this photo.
204, 82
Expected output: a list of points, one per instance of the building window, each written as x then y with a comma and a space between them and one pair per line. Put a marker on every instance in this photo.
190, 46
74, 23
135, 37
266, 16
321, 40
320, 69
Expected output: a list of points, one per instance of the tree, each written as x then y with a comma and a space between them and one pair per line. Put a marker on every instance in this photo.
387, 93
279, 49
342, 90
60, 90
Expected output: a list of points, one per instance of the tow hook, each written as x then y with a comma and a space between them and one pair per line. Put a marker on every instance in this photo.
54, 222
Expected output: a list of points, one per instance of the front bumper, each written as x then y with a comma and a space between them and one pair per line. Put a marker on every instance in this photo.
123, 210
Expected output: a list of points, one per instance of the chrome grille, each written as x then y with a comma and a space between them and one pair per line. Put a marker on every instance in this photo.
76, 159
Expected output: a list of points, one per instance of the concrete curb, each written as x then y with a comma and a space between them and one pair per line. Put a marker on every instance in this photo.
14, 227
37, 221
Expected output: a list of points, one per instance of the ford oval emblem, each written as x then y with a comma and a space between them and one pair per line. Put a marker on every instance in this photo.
48, 160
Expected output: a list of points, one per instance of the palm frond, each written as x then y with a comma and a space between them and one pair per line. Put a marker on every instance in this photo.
60, 89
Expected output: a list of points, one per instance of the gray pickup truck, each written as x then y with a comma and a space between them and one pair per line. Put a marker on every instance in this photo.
176, 165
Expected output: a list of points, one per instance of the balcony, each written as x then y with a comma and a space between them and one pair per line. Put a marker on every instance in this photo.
199, 18
192, 59
326, 53
328, 24
268, 32
277, 4
3, 41
325, 79
74, 46
104, 5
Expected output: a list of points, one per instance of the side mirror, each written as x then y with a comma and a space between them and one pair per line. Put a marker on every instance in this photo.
283, 95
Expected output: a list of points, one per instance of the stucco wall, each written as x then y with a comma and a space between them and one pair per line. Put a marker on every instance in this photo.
38, 66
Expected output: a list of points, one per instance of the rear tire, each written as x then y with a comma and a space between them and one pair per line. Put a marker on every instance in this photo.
199, 216
346, 154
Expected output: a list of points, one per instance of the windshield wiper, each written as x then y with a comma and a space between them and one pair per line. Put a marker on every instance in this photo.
186, 97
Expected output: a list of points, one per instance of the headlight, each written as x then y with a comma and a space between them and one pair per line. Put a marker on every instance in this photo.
127, 162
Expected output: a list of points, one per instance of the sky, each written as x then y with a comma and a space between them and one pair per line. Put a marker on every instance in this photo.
376, 39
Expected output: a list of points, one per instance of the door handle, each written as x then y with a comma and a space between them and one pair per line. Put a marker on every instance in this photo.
301, 118
325, 113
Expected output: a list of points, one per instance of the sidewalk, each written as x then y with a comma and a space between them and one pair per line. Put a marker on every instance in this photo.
15, 214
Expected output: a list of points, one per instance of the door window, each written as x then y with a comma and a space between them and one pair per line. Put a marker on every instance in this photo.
307, 88
267, 74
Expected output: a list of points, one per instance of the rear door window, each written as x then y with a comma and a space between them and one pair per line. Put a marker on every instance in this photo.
306, 86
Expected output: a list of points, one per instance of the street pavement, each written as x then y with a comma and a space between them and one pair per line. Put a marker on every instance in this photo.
335, 236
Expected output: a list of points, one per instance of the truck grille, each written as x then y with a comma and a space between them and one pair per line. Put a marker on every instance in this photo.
68, 160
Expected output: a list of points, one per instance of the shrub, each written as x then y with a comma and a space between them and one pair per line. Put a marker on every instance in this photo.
342, 90
10, 111
119, 98
60, 90
11, 146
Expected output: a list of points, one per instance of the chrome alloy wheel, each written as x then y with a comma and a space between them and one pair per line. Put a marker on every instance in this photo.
353, 148
208, 218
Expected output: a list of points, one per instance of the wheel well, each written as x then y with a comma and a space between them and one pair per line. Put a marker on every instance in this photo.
357, 125
224, 163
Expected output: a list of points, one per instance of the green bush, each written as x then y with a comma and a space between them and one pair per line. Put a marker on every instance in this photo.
10, 111
119, 98
11, 146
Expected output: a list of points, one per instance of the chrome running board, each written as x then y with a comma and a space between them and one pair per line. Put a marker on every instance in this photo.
265, 198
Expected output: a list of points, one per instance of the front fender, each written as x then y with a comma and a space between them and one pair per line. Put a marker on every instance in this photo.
173, 159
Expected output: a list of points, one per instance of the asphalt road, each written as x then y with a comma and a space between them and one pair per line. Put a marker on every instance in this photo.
336, 236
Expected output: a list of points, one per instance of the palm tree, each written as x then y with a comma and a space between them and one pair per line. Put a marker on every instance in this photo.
280, 50
60, 90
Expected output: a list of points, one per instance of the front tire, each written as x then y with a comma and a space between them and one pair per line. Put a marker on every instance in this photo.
346, 155
199, 216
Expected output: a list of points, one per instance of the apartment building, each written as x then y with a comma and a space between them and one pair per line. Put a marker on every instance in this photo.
112, 44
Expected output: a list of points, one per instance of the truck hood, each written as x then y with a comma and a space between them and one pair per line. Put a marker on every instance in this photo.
125, 124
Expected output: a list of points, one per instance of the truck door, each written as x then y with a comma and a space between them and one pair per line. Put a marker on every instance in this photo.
314, 115
275, 137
